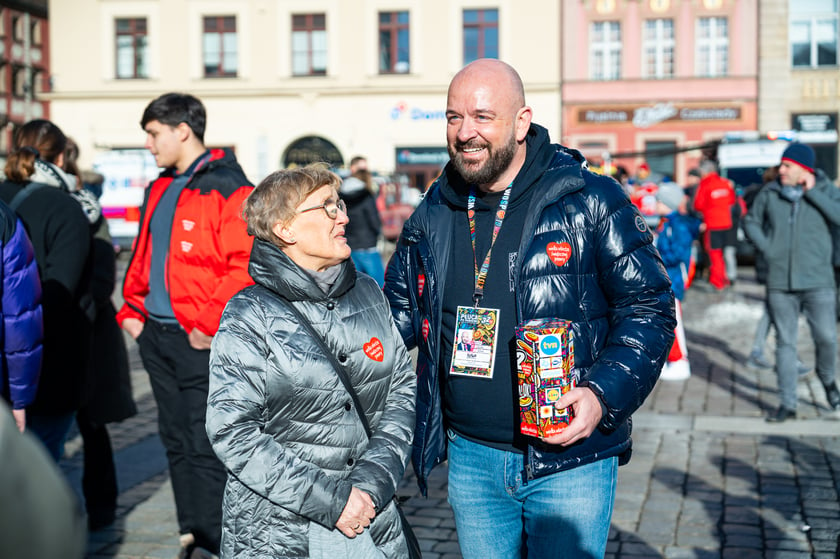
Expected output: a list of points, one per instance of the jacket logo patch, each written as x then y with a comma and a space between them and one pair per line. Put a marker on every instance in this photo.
421, 283
559, 253
374, 349
640, 224
425, 329
187, 224
186, 246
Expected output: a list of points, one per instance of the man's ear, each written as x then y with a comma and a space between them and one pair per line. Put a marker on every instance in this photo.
284, 233
523, 123
184, 131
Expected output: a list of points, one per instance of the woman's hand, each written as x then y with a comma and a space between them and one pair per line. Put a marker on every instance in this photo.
357, 514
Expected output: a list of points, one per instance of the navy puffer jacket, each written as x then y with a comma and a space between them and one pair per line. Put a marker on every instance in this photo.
614, 289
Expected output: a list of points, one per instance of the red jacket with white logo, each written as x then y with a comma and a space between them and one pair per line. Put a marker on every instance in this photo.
715, 198
209, 246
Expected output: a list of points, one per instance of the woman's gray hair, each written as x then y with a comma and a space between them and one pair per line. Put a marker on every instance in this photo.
279, 194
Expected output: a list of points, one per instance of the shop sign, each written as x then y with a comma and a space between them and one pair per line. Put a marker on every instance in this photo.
647, 116
437, 156
816, 128
402, 111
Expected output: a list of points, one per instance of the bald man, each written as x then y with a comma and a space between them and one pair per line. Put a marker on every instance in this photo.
517, 228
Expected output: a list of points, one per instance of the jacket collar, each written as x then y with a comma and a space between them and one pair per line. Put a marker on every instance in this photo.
274, 270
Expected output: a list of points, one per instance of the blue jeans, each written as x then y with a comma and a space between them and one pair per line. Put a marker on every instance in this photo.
369, 261
498, 515
818, 306
51, 430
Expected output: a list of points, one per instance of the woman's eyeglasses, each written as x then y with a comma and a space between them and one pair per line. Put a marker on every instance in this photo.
330, 207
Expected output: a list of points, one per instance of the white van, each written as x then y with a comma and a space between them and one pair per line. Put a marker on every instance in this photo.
127, 173
743, 157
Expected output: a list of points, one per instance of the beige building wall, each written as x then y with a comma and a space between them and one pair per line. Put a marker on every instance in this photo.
785, 91
264, 109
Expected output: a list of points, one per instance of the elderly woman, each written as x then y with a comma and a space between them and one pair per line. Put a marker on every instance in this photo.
304, 478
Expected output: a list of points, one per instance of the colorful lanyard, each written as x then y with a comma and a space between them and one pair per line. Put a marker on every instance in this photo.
481, 275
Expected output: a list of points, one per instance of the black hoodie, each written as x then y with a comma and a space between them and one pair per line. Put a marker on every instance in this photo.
486, 410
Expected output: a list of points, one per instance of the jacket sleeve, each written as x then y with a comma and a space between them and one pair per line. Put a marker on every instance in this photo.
235, 422
380, 469
641, 315
396, 288
22, 318
667, 242
753, 221
135, 284
827, 200
235, 246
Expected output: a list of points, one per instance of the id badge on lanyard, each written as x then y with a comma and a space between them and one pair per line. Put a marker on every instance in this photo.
476, 337
477, 328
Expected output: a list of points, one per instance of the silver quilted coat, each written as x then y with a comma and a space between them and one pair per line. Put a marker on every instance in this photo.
282, 423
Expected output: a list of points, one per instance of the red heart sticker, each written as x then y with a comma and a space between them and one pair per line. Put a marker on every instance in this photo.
425, 329
421, 283
374, 350
559, 253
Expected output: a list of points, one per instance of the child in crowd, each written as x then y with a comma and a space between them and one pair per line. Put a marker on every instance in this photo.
675, 235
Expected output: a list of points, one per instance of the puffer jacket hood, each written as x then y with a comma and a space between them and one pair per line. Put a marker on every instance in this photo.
270, 267
283, 424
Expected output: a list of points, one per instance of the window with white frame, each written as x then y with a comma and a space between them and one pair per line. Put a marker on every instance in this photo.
658, 48
712, 47
605, 50
813, 33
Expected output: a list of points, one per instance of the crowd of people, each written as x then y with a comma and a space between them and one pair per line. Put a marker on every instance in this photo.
277, 346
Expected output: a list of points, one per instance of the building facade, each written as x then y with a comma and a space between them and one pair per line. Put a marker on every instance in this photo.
657, 81
286, 82
24, 66
799, 76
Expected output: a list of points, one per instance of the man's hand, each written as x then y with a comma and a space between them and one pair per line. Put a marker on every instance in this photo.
20, 419
588, 414
808, 181
357, 514
134, 327
200, 340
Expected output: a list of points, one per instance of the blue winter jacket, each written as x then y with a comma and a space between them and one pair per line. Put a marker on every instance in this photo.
674, 239
21, 327
614, 288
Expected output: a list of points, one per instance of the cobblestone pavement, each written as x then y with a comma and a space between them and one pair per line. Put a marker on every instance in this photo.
709, 479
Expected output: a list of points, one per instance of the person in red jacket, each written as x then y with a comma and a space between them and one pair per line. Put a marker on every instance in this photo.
714, 200
190, 257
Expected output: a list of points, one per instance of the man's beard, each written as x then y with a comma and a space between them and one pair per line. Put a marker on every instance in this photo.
497, 161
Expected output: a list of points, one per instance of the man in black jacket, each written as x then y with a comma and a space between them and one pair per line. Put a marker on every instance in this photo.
516, 228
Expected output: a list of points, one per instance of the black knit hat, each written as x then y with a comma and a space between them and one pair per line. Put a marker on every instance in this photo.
800, 154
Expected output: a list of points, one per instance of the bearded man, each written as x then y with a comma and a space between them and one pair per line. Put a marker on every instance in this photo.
517, 228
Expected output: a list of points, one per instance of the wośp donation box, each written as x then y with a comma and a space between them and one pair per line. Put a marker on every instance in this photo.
545, 358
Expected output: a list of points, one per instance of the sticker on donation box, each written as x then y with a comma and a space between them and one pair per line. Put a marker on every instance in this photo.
474, 347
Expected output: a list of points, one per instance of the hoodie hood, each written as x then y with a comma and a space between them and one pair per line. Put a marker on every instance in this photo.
538, 157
